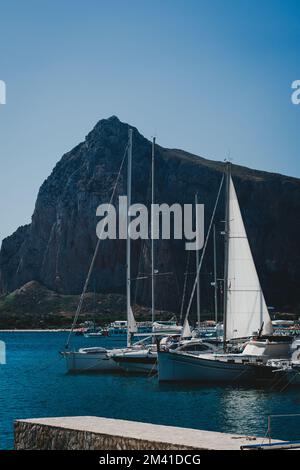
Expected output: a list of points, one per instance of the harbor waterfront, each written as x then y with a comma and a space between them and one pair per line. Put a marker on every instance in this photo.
34, 383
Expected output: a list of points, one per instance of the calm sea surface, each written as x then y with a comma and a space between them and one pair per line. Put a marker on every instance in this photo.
34, 384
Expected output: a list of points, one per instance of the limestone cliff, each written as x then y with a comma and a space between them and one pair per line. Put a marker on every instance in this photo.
56, 248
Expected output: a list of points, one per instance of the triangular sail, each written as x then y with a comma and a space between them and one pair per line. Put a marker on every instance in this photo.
131, 323
247, 313
186, 330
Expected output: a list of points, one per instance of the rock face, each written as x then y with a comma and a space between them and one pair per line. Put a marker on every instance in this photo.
56, 248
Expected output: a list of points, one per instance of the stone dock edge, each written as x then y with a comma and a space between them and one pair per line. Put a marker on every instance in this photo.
95, 433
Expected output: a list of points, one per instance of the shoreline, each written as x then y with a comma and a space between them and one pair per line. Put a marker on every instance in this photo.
38, 330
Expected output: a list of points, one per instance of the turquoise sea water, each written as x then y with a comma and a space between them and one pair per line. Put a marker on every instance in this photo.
34, 384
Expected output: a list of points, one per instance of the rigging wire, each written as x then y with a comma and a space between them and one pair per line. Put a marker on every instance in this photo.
203, 252
184, 286
78, 310
143, 254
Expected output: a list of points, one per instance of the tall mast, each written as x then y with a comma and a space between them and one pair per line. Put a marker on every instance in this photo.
215, 276
226, 241
152, 234
198, 275
128, 283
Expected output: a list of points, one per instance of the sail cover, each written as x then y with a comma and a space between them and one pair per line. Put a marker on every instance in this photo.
247, 312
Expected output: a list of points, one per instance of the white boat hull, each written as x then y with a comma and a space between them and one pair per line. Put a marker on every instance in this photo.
186, 367
80, 362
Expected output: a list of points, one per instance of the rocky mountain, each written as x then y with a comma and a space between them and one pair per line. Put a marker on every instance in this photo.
56, 248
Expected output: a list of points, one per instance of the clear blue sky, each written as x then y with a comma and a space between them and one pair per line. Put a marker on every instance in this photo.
206, 76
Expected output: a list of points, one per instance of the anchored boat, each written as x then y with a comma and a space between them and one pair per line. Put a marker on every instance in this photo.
99, 359
145, 360
246, 317
90, 360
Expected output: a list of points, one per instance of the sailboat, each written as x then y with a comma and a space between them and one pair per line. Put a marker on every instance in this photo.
145, 360
99, 358
246, 317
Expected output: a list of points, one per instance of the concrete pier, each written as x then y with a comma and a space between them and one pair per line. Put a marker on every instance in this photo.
93, 433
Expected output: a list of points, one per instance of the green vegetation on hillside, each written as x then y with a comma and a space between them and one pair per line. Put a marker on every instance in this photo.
35, 306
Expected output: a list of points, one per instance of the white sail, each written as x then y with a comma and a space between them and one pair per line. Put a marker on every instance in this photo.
186, 330
246, 312
131, 323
